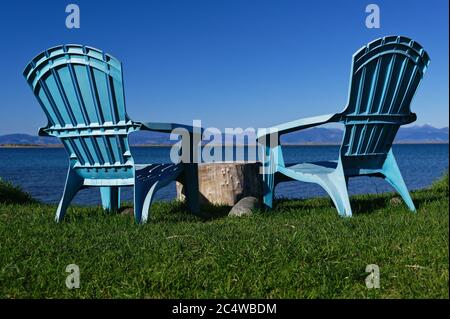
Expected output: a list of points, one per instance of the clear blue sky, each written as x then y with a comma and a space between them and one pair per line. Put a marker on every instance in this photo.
229, 63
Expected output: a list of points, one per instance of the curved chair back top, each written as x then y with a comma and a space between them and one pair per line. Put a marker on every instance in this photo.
385, 75
81, 91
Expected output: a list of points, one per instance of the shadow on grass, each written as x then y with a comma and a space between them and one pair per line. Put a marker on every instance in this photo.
160, 212
11, 194
177, 211
368, 203
361, 204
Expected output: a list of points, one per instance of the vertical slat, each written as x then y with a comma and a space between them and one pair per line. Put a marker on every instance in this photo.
102, 148
102, 93
345, 140
71, 152
122, 141
93, 92
93, 150
111, 95
113, 146
353, 139
357, 138
67, 85
119, 99
58, 100
373, 88
108, 149
112, 100
386, 84
372, 134
81, 150
81, 144
81, 73
354, 93
367, 88
46, 106
90, 156
65, 101
397, 85
390, 90
360, 91
390, 137
47, 99
408, 72
407, 101
76, 150
77, 93
407, 97
361, 139
381, 134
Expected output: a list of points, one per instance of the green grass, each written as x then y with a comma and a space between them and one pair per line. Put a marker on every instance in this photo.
303, 249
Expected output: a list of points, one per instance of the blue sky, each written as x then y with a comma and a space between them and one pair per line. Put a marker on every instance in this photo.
228, 63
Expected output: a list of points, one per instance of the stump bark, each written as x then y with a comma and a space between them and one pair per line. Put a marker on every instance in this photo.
226, 183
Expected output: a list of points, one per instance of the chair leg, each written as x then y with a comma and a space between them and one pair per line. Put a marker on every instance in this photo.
335, 185
110, 198
393, 176
268, 189
143, 198
73, 184
268, 176
190, 181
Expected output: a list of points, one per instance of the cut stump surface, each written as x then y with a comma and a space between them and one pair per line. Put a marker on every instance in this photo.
226, 183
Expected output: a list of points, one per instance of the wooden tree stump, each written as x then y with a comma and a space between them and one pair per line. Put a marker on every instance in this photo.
226, 183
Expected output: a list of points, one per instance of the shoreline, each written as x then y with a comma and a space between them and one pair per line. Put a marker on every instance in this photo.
226, 145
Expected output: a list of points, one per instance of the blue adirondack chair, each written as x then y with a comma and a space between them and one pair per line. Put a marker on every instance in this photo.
81, 91
384, 77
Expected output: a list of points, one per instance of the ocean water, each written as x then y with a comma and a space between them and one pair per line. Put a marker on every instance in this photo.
42, 171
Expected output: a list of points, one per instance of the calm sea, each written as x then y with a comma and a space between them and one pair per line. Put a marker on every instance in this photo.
42, 171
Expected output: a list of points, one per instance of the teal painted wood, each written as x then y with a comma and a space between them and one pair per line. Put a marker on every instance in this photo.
385, 75
81, 91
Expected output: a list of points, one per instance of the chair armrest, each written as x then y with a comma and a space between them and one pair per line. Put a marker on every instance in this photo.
190, 138
298, 125
167, 127
43, 131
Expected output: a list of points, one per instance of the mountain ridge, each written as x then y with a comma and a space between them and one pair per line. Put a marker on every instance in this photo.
319, 135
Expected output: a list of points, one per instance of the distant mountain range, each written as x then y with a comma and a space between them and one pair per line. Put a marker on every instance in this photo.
412, 134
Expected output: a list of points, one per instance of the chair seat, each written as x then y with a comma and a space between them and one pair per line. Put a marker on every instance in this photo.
154, 172
323, 167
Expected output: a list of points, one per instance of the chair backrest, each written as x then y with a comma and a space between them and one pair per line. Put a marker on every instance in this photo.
81, 91
385, 75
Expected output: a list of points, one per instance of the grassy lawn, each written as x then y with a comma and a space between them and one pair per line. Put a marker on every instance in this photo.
302, 249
